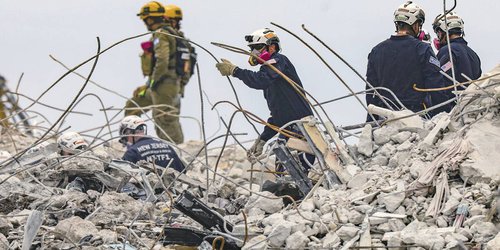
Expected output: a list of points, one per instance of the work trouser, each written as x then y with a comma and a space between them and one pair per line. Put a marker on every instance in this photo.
306, 160
3, 114
164, 97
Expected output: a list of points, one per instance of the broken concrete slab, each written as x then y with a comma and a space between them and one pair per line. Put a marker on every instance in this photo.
331, 240
401, 137
393, 200
266, 201
255, 243
383, 135
75, 228
403, 118
365, 144
494, 244
484, 158
280, 233
5, 226
297, 241
347, 232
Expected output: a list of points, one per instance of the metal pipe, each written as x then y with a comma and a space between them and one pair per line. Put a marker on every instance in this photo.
448, 40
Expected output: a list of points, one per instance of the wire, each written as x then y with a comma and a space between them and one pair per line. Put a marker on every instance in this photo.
346, 63
454, 85
217, 60
328, 66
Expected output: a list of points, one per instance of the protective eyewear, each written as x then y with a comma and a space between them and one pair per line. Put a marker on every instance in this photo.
258, 47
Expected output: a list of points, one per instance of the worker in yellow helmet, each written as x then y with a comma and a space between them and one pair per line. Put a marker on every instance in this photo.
173, 15
3, 115
160, 62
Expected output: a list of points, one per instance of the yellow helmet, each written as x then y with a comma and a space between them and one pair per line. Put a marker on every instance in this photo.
150, 9
173, 11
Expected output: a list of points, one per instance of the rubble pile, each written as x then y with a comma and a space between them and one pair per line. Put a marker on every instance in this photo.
412, 183
419, 184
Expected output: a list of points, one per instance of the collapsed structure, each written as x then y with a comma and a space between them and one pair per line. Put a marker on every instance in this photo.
409, 183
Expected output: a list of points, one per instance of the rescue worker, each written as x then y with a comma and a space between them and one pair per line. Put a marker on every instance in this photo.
173, 15
465, 60
140, 147
3, 115
283, 101
402, 61
160, 61
71, 143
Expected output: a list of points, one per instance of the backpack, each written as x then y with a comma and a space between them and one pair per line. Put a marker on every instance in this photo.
185, 55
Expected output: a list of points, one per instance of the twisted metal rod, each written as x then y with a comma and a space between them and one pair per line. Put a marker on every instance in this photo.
347, 64
216, 60
81, 99
17, 155
328, 66
116, 93
366, 90
48, 106
300, 90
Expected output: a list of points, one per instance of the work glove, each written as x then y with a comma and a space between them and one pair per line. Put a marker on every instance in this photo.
225, 67
256, 150
140, 91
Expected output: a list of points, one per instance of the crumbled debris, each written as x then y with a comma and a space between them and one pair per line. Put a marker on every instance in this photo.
430, 184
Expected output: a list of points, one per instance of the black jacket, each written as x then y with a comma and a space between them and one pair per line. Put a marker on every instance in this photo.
153, 150
399, 62
283, 101
465, 61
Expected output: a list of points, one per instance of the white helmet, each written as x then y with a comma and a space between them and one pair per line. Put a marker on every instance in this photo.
409, 13
262, 36
131, 122
453, 20
72, 142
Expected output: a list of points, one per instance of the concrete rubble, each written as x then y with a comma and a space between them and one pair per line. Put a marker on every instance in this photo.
418, 184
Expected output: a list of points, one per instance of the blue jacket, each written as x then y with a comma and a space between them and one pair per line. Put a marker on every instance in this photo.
283, 101
465, 60
399, 62
153, 150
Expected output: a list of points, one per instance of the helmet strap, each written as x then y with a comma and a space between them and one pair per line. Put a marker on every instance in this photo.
416, 27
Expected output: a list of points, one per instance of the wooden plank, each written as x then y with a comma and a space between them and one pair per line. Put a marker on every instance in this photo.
299, 145
330, 157
344, 154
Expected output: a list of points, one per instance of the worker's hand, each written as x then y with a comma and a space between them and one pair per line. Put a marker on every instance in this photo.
225, 67
140, 91
256, 150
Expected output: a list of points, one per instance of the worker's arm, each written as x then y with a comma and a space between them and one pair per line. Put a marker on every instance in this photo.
430, 70
268, 133
131, 155
161, 48
371, 77
262, 78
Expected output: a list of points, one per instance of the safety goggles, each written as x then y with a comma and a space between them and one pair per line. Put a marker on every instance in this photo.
258, 47
77, 149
